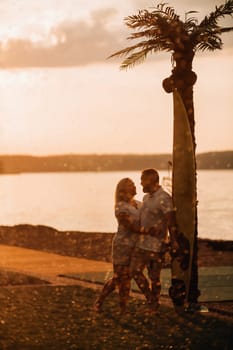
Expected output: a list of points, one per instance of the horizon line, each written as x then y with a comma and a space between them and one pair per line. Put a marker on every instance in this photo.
101, 154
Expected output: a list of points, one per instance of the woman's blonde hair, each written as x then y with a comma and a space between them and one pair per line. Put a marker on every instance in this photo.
121, 190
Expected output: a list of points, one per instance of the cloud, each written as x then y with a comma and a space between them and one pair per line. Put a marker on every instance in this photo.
75, 43
69, 44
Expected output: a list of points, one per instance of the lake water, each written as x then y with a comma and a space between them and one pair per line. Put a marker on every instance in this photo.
85, 201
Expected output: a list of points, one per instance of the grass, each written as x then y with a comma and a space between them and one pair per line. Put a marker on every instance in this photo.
47, 317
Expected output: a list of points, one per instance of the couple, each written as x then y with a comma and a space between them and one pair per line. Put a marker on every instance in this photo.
141, 239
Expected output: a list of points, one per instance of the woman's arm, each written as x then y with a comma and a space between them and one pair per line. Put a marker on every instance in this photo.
125, 220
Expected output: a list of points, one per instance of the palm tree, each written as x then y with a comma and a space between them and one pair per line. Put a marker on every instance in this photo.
161, 29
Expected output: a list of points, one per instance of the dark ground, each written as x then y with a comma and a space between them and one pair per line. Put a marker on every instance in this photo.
39, 316
61, 318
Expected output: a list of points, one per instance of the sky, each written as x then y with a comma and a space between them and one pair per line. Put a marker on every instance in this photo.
60, 94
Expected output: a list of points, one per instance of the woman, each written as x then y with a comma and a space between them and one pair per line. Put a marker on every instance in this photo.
127, 214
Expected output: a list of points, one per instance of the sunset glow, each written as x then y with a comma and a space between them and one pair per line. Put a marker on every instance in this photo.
60, 94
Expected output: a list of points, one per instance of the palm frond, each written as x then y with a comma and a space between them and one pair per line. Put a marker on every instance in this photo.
139, 56
225, 29
142, 19
161, 33
211, 43
167, 11
145, 18
128, 50
191, 20
150, 45
219, 30
187, 13
220, 12
202, 35
159, 25
148, 33
209, 26
190, 24
135, 58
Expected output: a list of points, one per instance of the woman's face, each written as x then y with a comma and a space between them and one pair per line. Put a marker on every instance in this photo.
130, 189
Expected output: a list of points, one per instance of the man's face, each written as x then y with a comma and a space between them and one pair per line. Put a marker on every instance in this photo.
148, 183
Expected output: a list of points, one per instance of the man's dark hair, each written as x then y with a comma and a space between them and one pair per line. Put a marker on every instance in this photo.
152, 172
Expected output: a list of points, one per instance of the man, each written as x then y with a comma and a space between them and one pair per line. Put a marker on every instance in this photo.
157, 217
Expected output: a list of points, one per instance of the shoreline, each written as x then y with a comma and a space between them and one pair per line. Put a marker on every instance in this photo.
97, 245
25, 163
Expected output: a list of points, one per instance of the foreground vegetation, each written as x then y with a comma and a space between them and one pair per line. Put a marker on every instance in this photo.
43, 317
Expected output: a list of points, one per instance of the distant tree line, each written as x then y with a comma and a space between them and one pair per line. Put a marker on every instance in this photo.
106, 162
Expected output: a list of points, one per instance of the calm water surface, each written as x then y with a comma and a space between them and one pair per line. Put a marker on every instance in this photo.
84, 201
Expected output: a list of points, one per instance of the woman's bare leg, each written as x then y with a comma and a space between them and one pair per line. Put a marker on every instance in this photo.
108, 288
124, 284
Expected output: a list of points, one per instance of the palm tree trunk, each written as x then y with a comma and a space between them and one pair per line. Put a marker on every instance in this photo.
183, 79
187, 97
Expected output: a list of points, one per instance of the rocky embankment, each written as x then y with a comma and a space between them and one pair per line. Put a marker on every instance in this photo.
97, 245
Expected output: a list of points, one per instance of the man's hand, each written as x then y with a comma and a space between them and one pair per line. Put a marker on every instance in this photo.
175, 245
152, 231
